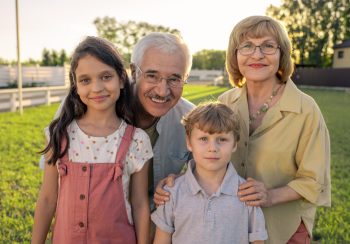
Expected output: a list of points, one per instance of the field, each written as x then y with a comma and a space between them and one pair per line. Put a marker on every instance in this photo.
21, 137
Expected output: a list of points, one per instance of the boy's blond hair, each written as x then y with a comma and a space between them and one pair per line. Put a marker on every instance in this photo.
212, 117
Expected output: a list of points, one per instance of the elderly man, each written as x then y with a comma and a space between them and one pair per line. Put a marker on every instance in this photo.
160, 65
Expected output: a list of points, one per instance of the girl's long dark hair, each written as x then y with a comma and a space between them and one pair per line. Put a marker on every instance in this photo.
74, 108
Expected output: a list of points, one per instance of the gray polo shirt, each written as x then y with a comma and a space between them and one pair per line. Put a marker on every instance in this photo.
191, 216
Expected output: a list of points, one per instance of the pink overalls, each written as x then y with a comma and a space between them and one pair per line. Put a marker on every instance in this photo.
91, 207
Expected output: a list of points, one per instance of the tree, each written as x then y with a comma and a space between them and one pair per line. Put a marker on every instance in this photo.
46, 58
53, 58
62, 58
314, 28
30, 62
4, 61
209, 59
125, 35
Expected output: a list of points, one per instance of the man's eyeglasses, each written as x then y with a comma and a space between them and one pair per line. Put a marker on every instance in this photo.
267, 48
154, 78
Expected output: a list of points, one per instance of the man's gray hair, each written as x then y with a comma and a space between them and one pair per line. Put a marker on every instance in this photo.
165, 42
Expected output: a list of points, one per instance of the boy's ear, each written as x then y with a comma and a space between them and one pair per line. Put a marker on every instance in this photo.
188, 143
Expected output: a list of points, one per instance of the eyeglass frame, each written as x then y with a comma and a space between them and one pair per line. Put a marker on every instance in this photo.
261, 51
160, 78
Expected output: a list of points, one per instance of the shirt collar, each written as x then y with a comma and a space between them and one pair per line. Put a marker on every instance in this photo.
291, 98
241, 92
229, 185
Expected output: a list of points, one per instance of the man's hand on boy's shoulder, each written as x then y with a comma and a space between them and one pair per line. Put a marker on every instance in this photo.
161, 196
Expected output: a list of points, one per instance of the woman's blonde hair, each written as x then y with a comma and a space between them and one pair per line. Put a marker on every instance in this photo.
256, 27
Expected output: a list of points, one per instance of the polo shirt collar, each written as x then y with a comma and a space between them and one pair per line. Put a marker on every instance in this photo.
229, 185
190, 179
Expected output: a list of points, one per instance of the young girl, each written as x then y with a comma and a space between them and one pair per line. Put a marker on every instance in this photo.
91, 155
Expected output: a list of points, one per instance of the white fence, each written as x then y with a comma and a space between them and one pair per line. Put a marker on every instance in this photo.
51, 85
35, 76
31, 97
205, 75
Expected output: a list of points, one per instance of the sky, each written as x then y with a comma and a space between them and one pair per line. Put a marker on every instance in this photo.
62, 24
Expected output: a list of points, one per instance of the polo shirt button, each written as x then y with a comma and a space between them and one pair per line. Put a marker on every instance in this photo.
84, 168
81, 224
246, 143
82, 196
242, 164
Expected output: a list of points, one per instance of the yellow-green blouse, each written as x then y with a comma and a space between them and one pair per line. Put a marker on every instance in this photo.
290, 147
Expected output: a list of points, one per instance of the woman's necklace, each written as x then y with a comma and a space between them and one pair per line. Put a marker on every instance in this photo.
263, 108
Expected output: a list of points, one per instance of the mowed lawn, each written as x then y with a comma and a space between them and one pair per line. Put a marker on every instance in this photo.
21, 137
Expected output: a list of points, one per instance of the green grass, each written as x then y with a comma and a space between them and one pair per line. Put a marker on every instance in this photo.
21, 137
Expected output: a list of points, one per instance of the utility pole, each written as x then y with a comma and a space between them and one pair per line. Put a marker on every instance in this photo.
19, 67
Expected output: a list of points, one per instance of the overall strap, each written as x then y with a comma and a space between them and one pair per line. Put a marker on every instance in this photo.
63, 145
62, 166
123, 149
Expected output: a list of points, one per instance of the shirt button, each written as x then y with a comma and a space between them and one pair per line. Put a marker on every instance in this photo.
84, 168
81, 224
246, 143
82, 196
242, 164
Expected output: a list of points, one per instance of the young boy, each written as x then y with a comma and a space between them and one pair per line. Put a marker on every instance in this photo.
203, 206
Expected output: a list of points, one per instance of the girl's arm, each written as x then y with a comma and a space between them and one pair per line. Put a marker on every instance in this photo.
140, 204
163, 237
46, 204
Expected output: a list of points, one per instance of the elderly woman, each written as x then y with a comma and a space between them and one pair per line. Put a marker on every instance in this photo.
284, 150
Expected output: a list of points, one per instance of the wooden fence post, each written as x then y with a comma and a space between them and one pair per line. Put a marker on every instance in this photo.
13, 102
48, 97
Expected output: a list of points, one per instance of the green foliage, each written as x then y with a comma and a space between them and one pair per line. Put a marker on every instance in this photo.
54, 58
125, 34
48, 58
20, 177
209, 59
314, 28
30, 62
4, 61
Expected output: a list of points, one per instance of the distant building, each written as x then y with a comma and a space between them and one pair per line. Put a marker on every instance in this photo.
341, 57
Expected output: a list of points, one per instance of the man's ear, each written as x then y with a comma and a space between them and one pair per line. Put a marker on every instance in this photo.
235, 147
121, 83
133, 72
188, 143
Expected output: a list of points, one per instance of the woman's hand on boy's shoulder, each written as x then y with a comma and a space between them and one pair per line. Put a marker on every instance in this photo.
254, 193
